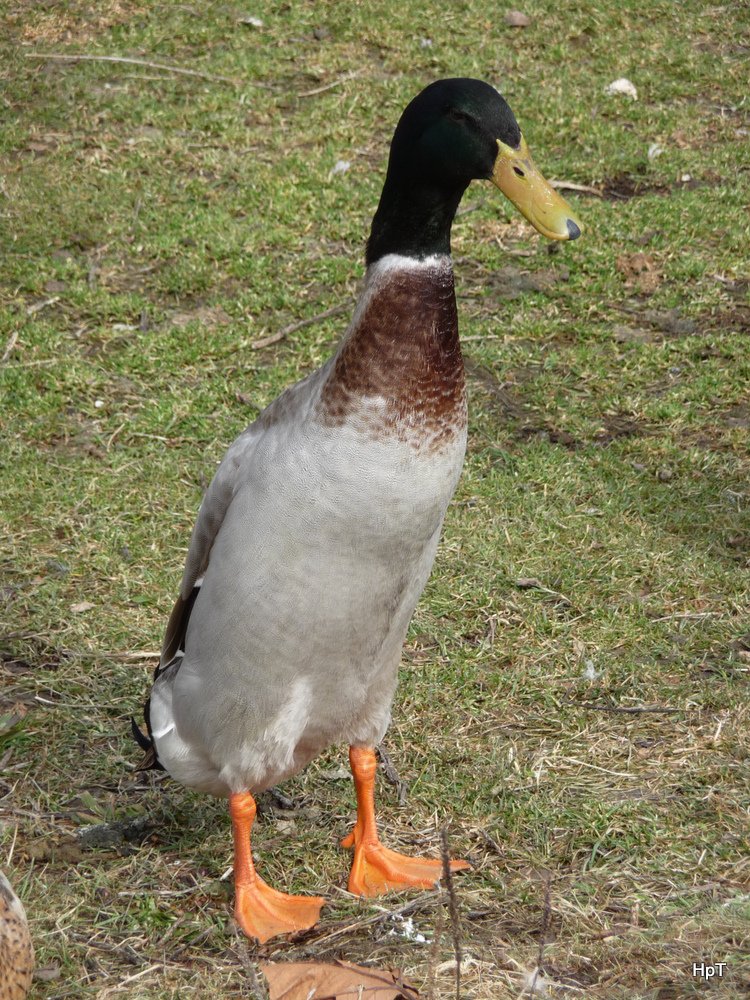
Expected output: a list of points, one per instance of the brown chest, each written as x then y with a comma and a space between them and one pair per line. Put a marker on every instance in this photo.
399, 372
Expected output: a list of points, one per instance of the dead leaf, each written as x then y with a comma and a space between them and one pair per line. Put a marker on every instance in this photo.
517, 19
337, 981
82, 606
48, 973
640, 272
509, 282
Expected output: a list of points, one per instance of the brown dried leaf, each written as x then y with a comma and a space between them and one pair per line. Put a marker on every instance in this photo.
337, 981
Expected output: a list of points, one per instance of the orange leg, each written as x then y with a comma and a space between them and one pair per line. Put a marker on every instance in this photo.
263, 912
375, 869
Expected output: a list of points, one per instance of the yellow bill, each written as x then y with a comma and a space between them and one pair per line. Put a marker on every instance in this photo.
521, 181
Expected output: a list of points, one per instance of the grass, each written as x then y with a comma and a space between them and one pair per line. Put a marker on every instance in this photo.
153, 226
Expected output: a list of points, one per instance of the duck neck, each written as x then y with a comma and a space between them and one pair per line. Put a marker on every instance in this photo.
399, 372
413, 220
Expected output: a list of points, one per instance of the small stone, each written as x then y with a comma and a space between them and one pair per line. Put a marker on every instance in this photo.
665, 474
624, 87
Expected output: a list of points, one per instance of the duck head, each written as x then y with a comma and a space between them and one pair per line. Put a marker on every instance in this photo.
453, 132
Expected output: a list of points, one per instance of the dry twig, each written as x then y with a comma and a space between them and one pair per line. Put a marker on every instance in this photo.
63, 57
330, 86
410, 907
256, 345
543, 930
452, 907
634, 710
572, 186
257, 989
392, 775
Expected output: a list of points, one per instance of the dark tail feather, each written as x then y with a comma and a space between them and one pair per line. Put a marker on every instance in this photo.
149, 762
173, 648
139, 736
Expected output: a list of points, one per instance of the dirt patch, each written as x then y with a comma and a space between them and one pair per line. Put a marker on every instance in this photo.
623, 187
640, 271
671, 322
510, 282
730, 320
613, 428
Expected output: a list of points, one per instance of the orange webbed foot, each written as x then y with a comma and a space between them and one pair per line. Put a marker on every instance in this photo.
376, 869
264, 913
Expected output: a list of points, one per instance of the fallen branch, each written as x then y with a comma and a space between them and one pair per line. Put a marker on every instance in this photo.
62, 57
274, 338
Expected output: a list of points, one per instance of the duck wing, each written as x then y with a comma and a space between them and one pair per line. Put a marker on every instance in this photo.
294, 404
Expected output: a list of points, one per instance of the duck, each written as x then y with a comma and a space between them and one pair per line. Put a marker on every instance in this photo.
16, 948
317, 535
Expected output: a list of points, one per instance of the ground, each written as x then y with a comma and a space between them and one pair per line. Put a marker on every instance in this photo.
573, 706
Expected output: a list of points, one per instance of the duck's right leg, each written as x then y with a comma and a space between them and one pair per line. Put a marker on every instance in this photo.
263, 912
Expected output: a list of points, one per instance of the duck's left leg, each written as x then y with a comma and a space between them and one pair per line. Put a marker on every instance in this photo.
375, 869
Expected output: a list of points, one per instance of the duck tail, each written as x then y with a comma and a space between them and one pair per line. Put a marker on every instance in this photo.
172, 652
150, 760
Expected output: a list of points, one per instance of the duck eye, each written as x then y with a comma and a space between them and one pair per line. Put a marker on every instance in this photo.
459, 116
519, 171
